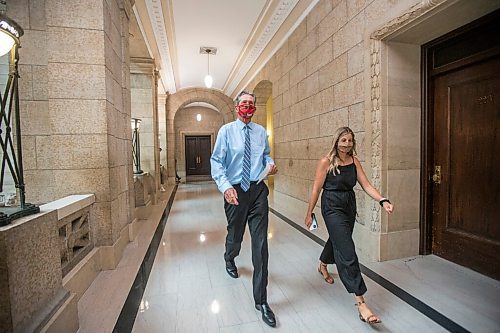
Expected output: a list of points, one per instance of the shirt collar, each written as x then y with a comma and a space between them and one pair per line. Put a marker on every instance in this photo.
241, 124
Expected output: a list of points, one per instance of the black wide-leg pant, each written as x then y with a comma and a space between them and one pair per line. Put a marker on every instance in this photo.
339, 248
253, 208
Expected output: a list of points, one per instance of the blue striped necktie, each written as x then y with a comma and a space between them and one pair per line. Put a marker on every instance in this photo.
245, 175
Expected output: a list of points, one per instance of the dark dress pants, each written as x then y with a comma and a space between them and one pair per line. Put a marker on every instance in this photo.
253, 208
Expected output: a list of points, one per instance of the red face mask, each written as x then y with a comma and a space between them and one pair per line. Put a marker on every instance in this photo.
246, 110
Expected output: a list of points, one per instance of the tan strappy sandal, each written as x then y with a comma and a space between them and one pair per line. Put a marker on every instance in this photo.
371, 319
328, 278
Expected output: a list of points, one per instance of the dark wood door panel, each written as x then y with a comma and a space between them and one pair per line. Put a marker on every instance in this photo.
466, 141
204, 155
191, 155
198, 151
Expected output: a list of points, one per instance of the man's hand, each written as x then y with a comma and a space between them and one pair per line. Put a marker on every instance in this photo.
274, 170
231, 196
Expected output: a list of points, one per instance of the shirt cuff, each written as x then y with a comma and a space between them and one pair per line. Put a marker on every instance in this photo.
223, 188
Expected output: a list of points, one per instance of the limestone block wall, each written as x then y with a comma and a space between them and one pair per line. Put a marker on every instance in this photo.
30, 273
75, 102
186, 124
321, 79
118, 109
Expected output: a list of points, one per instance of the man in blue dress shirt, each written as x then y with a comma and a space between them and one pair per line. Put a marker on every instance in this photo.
241, 153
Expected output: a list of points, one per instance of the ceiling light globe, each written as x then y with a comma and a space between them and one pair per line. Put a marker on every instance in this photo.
209, 81
6, 43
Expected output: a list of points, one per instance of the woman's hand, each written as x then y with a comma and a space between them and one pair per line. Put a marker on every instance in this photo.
388, 207
231, 196
308, 220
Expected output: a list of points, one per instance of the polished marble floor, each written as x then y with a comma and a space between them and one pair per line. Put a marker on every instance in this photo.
189, 291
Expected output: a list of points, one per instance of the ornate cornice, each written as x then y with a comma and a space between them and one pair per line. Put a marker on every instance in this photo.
407, 18
279, 15
155, 13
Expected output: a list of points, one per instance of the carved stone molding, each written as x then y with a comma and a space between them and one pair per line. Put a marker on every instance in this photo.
376, 38
74, 238
155, 12
376, 125
406, 18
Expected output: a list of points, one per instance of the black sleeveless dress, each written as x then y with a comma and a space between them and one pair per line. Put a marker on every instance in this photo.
338, 195
338, 207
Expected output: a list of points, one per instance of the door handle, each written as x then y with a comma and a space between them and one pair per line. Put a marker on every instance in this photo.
436, 177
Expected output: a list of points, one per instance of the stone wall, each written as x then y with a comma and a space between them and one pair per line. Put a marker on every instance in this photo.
321, 79
75, 105
357, 63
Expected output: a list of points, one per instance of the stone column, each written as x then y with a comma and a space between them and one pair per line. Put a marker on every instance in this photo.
162, 128
75, 94
171, 144
156, 131
144, 78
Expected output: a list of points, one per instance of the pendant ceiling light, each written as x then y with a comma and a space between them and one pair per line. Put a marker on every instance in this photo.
208, 51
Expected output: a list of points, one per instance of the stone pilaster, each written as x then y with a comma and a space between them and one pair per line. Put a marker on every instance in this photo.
144, 94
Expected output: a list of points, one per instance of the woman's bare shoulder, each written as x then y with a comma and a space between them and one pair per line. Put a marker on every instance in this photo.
357, 162
324, 160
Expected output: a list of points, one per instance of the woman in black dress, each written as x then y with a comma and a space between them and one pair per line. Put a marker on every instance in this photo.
337, 174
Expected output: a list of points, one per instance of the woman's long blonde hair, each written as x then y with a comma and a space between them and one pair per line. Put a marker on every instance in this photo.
333, 155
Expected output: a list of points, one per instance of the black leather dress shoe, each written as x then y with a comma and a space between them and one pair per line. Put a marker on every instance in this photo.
231, 269
267, 314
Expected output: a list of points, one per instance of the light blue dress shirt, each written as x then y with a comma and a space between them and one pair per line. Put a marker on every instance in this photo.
227, 158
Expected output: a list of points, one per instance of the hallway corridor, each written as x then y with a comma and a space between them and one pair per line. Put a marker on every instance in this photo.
189, 291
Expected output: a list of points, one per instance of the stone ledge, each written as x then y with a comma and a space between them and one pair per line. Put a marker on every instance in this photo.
68, 205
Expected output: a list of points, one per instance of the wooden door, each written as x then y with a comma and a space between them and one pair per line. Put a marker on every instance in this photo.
198, 155
465, 216
460, 144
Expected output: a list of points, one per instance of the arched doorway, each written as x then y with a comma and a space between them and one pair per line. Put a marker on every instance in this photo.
211, 104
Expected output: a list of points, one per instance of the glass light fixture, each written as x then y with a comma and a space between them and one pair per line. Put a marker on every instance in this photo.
209, 81
10, 118
10, 32
208, 50
135, 123
198, 117
208, 78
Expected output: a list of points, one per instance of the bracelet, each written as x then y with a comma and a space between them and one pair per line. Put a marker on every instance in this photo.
381, 201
